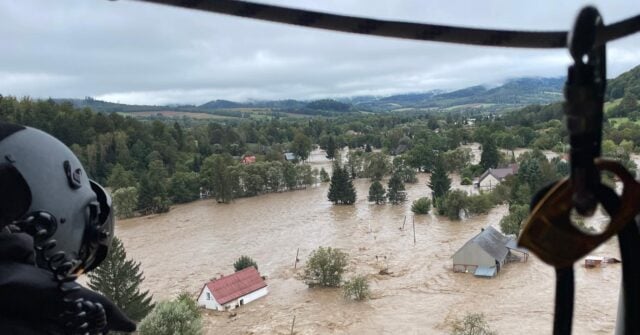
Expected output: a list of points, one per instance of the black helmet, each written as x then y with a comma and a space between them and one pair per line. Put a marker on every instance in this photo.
45, 192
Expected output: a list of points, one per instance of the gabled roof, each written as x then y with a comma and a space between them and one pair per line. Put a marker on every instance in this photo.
500, 173
236, 285
492, 242
290, 156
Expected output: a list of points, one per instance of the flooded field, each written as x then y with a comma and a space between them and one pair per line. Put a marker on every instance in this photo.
184, 248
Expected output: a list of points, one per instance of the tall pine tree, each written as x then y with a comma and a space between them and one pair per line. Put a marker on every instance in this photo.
119, 279
440, 183
396, 193
490, 157
331, 148
341, 190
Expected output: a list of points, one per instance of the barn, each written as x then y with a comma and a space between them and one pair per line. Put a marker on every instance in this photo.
229, 292
484, 254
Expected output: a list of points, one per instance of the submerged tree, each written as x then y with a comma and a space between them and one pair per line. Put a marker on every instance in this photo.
440, 183
331, 148
244, 262
357, 288
472, 324
119, 279
396, 193
377, 193
490, 156
325, 267
341, 190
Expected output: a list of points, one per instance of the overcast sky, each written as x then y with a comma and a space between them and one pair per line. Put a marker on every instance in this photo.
138, 53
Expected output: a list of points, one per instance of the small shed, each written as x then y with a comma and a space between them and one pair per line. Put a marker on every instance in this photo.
229, 292
484, 254
290, 156
492, 177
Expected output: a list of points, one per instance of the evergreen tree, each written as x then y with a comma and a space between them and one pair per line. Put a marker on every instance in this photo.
324, 176
301, 146
396, 193
367, 148
118, 279
331, 148
490, 157
377, 193
440, 183
341, 190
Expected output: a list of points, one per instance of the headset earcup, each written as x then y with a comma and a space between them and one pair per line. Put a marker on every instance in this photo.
15, 195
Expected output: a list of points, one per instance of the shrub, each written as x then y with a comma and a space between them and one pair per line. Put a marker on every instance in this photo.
357, 288
480, 204
325, 267
244, 262
453, 203
179, 316
466, 181
472, 324
421, 206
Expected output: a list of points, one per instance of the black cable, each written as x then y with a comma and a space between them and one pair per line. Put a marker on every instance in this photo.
398, 29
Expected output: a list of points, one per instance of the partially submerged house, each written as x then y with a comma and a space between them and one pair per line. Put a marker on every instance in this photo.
492, 177
290, 156
486, 253
232, 291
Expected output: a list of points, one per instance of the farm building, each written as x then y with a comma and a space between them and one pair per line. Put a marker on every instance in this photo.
485, 253
233, 291
492, 177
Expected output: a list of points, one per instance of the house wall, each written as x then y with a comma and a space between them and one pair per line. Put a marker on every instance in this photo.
208, 304
213, 304
489, 182
471, 254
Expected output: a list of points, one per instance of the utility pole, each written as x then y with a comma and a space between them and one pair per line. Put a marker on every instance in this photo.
295, 264
292, 324
413, 220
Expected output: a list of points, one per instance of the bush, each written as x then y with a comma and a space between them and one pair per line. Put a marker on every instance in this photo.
472, 324
421, 206
325, 267
125, 201
480, 204
179, 316
244, 262
453, 203
466, 181
357, 288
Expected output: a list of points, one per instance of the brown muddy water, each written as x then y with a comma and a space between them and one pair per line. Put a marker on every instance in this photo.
182, 249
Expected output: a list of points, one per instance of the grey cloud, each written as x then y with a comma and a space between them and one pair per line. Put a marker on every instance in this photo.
139, 53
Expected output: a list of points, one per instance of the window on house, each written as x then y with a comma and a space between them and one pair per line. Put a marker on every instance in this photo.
208, 296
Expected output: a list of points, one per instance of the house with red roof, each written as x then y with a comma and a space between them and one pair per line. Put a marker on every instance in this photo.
248, 159
229, 292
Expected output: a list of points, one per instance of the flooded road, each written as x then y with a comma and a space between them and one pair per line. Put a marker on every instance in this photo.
184, 248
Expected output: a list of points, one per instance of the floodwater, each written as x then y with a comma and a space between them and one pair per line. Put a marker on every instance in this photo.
184, 248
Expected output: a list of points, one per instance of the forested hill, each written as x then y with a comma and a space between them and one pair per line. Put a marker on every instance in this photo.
628, 82
514, 93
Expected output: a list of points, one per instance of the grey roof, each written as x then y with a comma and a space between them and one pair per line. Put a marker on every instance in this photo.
513, 245
500, 173
290, 156
492, 242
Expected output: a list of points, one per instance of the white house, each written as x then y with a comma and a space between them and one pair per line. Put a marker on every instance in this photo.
492, 177
233, 291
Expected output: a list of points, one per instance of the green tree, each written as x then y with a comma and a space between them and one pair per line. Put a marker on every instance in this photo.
331, 148
119, 178
125, 202
325, 267
421, 206
377, 165
217, 177
395, 190
119, 279
490, 156
179, 316
440, 183
301, 146
472, 324
453, 203
357, 288
244, 262
512, 222
152, 196
377, 193
185, 187
324, 176
341, 190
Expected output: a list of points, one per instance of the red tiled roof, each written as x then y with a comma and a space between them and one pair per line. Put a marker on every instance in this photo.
236, 285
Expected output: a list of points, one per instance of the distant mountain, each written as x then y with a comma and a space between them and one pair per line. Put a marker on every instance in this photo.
516, 92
